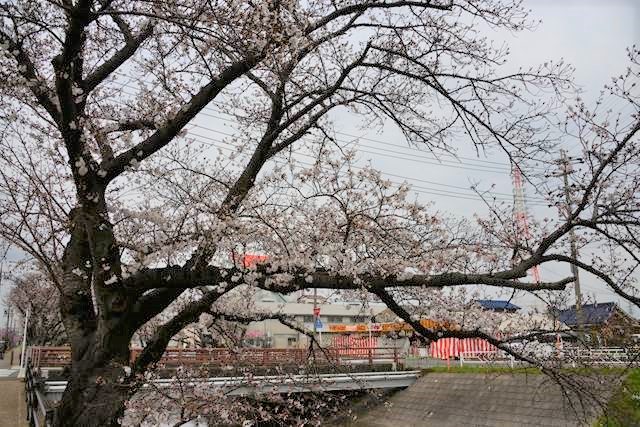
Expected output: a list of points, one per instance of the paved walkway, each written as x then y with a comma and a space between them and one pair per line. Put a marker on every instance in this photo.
12, 403
13, 406
8, 364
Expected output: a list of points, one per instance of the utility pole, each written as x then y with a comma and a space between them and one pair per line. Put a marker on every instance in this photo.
566, 170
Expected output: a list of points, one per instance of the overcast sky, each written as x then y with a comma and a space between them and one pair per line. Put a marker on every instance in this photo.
591, 35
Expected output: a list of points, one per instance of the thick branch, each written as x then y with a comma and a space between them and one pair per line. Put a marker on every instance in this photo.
448, 333
364, 6
166, 133
36, 84
118, 58
605, 277
189, 314
179, 277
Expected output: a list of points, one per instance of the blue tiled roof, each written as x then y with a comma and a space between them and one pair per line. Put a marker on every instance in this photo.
493, 304
593, 314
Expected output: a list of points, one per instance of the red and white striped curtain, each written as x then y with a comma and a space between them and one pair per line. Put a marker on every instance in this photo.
476, 345
353, 346
445, 348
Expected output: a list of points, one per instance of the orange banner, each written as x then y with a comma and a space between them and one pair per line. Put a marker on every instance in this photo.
387, 327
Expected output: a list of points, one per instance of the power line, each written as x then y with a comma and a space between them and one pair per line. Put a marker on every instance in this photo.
541, 201
393, 156
394, 153
385, 173
423, 190
500, 165
428, 160
440, 162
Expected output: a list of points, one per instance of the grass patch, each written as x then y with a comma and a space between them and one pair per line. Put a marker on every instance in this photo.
624, 408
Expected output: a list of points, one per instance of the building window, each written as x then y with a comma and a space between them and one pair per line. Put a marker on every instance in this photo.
334, 319
292, 341
308, 319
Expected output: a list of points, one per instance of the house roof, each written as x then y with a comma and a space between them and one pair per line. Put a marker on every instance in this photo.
494, 304
593, 314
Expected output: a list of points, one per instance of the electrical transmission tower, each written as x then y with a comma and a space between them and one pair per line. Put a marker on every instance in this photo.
520, 220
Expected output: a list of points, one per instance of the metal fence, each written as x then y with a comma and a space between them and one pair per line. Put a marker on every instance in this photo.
606, 356
56, 357
39, 409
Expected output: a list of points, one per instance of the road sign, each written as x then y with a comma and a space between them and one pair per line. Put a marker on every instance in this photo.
318, 323
316, 311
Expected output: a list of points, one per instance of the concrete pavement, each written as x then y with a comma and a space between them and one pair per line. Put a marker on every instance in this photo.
13, 406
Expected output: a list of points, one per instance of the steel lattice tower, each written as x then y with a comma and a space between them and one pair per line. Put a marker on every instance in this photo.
520, 215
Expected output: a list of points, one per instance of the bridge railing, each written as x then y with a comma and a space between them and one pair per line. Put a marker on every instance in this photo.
243, 356
369, 354
39, 409
53, 357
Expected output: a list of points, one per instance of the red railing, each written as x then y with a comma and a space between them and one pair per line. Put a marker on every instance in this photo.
61, 356
243, 356
51, 357
371, 354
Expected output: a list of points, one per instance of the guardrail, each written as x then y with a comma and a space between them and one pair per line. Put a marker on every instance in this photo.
39, 410
242, 386
370, 355
50, 357
224, 356
486, 357
602, 356
55, 357
607, 356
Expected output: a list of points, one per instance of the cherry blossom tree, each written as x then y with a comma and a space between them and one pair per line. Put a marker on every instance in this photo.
34, 293
105, 184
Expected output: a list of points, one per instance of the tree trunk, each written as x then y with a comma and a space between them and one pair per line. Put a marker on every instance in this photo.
96, 393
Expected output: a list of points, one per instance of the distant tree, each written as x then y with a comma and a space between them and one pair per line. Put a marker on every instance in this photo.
34, 292
129, 215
